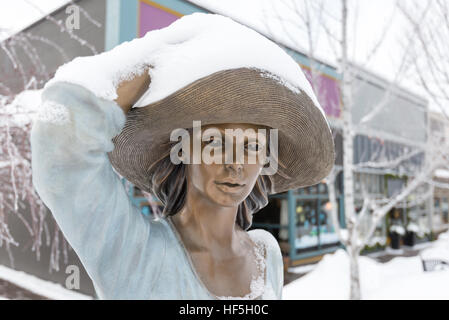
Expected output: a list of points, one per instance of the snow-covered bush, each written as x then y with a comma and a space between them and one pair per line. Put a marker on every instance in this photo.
413, 227
397, 229
377, 240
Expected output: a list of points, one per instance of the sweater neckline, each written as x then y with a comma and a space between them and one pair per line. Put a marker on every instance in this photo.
255, 282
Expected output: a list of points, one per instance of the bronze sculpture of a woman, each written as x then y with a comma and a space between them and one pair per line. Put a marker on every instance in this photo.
200, 248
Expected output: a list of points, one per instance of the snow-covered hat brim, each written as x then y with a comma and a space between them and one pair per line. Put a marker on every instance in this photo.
242, 95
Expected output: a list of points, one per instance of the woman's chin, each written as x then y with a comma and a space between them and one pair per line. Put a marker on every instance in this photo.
227, 200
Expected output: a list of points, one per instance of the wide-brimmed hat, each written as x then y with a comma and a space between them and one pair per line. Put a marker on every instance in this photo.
249, 80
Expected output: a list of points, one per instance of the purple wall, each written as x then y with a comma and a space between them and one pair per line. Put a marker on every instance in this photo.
328, 93
152, 18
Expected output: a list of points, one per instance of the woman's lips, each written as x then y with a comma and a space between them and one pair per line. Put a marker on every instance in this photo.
229, 187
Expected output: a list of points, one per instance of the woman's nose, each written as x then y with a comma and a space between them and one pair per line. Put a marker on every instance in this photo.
234, 159
235, 168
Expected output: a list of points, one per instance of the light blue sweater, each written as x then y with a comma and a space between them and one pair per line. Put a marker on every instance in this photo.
127, 255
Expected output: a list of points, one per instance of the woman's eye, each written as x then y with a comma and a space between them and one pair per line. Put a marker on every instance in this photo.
253, 146
214, 143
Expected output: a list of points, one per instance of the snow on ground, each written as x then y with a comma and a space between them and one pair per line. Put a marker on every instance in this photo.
439, 249
40, 287
302, 269
401, 278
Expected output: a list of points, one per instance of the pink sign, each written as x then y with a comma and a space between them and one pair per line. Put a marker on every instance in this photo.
153, 16
327, 91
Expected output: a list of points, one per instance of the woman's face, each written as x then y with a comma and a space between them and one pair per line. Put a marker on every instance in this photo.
228, 183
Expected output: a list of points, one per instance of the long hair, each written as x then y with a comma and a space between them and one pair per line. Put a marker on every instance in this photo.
168, 182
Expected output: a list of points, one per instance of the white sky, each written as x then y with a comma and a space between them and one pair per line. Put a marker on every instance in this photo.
18, 14
369, 21
372, 16
15, 15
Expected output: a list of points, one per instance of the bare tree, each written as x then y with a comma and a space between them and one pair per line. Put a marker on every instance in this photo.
315, 22
430, 50
17, 195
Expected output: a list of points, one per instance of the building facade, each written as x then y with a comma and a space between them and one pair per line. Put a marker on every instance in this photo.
439, 132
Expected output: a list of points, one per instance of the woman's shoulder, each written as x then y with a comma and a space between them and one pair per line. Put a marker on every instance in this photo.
273, 259
267, 239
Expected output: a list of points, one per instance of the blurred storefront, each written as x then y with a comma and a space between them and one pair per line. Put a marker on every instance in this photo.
439, 130
441, 201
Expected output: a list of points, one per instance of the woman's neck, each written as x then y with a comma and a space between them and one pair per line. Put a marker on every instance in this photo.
205, 225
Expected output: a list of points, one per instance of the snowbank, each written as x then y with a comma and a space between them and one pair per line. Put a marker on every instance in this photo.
439, 249
40, 287
401, 278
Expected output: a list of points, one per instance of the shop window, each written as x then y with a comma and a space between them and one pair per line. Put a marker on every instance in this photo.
306, 225
445, 210
436, 206
326, 226
374, 183
314, 225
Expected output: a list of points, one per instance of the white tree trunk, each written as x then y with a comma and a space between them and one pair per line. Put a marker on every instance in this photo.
355, 290
348, 161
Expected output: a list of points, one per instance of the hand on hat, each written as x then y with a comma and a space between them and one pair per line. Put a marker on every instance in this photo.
130, 91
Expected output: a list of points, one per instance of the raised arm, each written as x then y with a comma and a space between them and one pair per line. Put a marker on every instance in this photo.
73, 176
130, 91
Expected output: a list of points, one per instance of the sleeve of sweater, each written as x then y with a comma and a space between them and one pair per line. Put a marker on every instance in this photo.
73, 176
